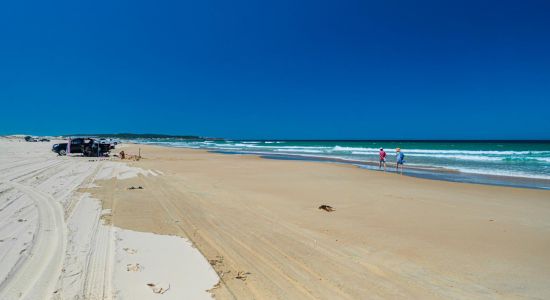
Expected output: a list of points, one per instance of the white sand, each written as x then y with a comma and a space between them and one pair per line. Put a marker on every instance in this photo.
168, 262
54, 245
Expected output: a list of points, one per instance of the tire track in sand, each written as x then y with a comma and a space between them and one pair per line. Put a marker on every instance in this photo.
165, 196
98, 268
33, 278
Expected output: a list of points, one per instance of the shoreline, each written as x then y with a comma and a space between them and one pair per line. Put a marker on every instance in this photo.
419, 171
256, 221
426, 172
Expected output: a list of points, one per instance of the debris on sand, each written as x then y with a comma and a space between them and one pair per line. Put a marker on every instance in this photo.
158, 288
218, 260
242, 275
217, 285
326, 208
135, 188
123, 155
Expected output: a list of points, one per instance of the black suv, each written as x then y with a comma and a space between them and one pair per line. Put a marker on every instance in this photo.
86, 146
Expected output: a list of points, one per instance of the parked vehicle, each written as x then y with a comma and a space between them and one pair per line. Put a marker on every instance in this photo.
109, 142
86, 146
29, 138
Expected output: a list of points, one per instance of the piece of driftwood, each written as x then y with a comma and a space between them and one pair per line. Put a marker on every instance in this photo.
326, 208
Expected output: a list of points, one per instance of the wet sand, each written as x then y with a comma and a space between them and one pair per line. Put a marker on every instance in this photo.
390, 237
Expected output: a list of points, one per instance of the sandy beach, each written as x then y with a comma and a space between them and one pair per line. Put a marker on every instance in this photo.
169, 150
55, 243
243, 227
390, 237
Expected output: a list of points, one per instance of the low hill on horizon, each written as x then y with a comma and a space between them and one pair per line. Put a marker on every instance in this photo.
143, 136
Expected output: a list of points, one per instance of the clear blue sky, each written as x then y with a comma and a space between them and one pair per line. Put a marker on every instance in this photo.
277, 69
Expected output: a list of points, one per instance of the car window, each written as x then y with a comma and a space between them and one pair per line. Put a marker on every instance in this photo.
76, 142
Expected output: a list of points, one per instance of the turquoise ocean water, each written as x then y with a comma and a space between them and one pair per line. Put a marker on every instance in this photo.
524, 164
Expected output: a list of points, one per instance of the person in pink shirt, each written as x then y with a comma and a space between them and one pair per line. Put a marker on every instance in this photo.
382, 159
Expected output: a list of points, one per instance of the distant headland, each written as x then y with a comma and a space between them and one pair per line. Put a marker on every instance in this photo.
144, 136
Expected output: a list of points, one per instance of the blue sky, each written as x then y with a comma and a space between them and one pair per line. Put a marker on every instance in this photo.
277, 69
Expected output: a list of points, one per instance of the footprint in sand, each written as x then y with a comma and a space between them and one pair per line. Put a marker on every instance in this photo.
130, 251
134, 267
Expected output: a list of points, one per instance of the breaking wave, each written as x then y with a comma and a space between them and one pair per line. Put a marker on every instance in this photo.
521, 160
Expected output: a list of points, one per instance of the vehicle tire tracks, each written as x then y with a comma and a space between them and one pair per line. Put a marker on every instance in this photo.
32, 279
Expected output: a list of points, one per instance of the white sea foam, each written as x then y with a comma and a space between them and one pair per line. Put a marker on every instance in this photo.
473, 155
437, 151
528, 164
459, 157
281, 147
504, 173
467, 155
299, 150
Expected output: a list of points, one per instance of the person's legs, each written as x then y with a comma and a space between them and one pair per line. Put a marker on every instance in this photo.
384, 165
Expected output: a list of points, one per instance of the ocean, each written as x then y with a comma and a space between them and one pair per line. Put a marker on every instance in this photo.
521, 164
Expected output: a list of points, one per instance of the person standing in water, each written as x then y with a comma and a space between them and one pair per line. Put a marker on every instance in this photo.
400, 160
382, 159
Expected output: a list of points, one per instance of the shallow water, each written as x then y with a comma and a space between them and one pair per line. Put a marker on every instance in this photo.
525, 164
